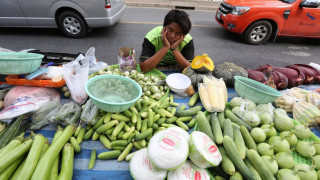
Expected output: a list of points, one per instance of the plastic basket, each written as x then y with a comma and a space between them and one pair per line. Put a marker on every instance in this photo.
13, 63
16, 80
113, 93
255, 91
298, 159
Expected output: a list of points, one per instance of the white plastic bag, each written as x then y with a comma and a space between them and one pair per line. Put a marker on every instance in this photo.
75, 74
94, 66
22, 99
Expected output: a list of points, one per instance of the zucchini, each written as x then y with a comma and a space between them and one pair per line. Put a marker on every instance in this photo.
204, 125
216, 128
227, 128
226, 163
189, 112
229, 114
234, 155
259, 164
248, 139
239, 141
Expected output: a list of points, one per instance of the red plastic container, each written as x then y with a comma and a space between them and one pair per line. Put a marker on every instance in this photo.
15, 80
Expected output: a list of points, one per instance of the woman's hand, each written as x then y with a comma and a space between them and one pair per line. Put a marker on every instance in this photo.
177, 43
164, 39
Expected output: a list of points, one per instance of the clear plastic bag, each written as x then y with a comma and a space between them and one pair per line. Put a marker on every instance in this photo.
76, 75
126, 59
94, 65
40, 117
90, 114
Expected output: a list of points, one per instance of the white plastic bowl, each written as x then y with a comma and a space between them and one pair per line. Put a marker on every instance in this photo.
178, 82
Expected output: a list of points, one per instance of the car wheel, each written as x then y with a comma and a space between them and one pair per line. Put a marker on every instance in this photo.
258, 32
72, 24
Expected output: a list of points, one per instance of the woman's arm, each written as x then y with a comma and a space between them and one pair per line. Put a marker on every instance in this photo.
154, 60
181, 60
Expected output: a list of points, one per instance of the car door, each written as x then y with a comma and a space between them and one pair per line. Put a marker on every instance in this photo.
37, 12
11, 14
303, 21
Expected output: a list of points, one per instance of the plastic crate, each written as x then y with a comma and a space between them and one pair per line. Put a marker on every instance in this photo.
16, 80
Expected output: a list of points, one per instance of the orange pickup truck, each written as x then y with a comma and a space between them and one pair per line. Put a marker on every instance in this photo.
260, 20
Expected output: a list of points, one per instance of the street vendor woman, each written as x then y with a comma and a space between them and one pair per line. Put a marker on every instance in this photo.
168, 46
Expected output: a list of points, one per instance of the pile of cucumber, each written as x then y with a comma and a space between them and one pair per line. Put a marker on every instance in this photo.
120, 132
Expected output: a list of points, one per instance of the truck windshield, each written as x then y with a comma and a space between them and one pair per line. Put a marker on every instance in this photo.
288, 1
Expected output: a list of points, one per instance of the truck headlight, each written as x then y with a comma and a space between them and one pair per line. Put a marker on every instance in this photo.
239, 10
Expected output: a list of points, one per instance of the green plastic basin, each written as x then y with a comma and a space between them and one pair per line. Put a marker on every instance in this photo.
113, 93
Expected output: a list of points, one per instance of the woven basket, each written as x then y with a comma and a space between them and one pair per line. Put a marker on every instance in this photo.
254, 90
14, 63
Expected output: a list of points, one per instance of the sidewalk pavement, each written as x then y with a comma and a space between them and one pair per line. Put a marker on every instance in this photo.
210, 5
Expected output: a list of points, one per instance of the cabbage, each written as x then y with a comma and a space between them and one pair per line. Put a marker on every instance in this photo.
188, 171
237, 111
141, 167
203, 152
236, 101
248, 105
268, 108
251, 118
168, 149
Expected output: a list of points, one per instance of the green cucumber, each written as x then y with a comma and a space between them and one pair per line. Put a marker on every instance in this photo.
239, 141
226, 163
216, 128
189, 112
193, 100
234, 155
259, 164
254, 171
248, 139
227, 128
229, 114
109, 154
204, 125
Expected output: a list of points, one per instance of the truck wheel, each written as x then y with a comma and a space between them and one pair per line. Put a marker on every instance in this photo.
72, 24
258, 32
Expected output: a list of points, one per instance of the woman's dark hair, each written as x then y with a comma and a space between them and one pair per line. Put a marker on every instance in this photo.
179, 17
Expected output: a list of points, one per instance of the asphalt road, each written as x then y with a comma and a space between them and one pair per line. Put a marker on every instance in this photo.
208, 37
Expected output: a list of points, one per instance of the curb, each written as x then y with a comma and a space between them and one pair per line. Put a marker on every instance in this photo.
212, 6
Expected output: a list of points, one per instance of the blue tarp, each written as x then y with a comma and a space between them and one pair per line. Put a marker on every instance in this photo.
112, 169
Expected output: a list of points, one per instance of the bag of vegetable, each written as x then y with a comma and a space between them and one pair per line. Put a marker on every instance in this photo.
188, 171
203, 152
168, 149
141, 167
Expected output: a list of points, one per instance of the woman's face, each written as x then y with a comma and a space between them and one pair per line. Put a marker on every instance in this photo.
174, 32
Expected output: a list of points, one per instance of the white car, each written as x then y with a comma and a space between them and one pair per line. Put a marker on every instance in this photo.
74, 17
